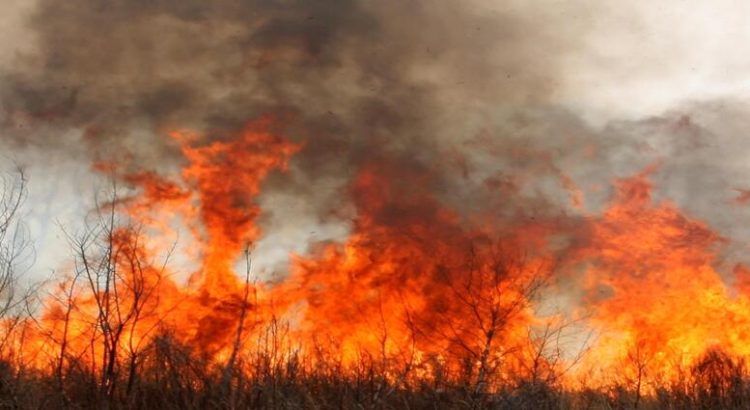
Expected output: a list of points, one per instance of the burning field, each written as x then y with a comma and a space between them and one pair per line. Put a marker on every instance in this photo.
337, 204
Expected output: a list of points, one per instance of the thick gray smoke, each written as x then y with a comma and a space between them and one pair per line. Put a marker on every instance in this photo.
346, 76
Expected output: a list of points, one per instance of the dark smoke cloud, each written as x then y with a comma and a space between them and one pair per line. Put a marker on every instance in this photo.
358, 70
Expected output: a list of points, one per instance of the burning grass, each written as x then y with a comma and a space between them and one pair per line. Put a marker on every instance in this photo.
421, 307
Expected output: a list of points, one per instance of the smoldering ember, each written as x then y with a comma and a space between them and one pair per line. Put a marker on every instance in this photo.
332, 204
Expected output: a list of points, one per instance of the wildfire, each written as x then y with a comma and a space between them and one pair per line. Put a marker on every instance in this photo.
417, 286
658, 299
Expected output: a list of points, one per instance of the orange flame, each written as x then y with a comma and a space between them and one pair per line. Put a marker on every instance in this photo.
416, 283
658, 300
